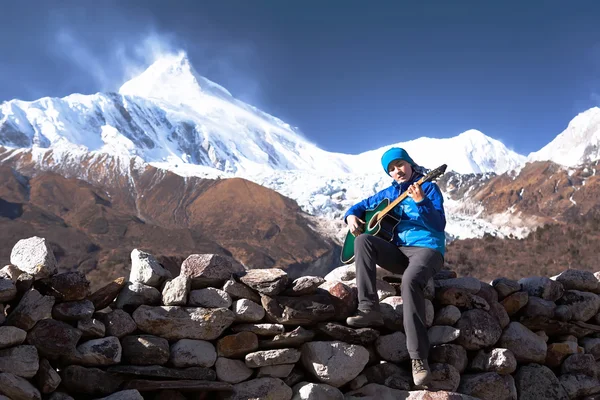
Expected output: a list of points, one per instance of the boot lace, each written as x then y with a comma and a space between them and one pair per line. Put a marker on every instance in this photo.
418, 365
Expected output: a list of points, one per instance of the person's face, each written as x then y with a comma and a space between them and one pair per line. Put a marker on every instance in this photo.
400, 171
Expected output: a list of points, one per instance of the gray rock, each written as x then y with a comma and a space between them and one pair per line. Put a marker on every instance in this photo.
579, 364
295, 338
10, 272
536, 381
91, 381
498, 360
69, 286
157, 371
175, 292
478, 329
488, 293
209, 269
505, 287
388, 374
8, 290
361, 336
60, 396
342, 274
135, 294
334, 363
441, 334
489, 385
392, 347
265, 358
299, 310
91, 328
269, 281
47, 379
17, 388
54, 339
261, 389
275, 371
247, 311
98, 352
117, 323
376, 391
514, 302
173, 322
260, 329
21, 360
146, 269
448, 315
526, 346
541, 286
452, 354
467, 283
32, 308
343, 298
131, 394
192, 353
238, 290
145, 350
11, 336
578, 280
591, 346
232, 371
211, 298
304, 285
316, 391
73, 310
499, 313
583, 305
444, 377
579, 385
563, 313
538, 307
34, 256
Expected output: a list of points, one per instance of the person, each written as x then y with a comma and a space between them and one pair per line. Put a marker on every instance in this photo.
416, 251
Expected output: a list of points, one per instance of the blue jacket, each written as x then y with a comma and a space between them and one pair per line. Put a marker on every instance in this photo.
421, 224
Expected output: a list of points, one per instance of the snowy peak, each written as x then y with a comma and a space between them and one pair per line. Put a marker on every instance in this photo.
172, 78
578, 144
470, 152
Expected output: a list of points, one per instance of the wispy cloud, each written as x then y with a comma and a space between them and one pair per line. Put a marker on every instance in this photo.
111, 67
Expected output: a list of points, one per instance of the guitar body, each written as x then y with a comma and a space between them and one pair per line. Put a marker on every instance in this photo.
383, 228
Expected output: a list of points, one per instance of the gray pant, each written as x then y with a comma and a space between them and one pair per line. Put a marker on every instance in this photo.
416, 264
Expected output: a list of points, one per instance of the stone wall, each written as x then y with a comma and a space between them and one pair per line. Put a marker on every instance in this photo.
216, 331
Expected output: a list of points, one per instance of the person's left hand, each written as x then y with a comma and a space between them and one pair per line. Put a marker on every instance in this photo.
415, 192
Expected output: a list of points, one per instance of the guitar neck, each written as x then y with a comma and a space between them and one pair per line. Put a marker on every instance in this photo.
394, 203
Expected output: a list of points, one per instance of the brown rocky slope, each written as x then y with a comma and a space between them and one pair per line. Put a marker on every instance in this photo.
90, 227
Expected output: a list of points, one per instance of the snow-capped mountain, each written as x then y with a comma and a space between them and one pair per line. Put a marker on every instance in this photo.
578, 144
173, 118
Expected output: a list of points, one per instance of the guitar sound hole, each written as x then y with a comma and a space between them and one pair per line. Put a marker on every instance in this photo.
373, 221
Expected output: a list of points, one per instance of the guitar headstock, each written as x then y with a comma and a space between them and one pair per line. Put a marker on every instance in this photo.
434, 174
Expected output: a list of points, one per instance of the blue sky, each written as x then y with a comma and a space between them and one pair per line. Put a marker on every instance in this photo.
352, 75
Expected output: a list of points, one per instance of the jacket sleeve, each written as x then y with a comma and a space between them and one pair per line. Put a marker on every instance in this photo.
431, 208
369, 203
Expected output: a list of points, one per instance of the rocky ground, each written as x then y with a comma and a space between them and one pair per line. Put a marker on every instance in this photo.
218, 331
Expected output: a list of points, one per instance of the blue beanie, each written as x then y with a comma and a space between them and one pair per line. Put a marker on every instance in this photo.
395, 153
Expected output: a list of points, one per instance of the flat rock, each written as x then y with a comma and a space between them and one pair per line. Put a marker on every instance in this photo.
21, 360
15, 387
263, 358
174, 322
11, 336
232, 371
209, 269
304, 285
488, 385
145, 350
104, 296
361, 336
157, 371
261, 389
294, 338
146, 269
210, 298
526, 346
192, 353
334, 363
54, 339
269, 281
32, 308
298, 310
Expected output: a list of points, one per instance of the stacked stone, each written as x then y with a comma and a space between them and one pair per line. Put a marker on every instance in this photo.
236, 334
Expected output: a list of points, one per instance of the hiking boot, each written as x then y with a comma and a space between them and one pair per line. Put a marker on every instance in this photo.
420, 372
363, 319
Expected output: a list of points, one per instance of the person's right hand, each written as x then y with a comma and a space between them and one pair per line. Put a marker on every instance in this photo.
355, 225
